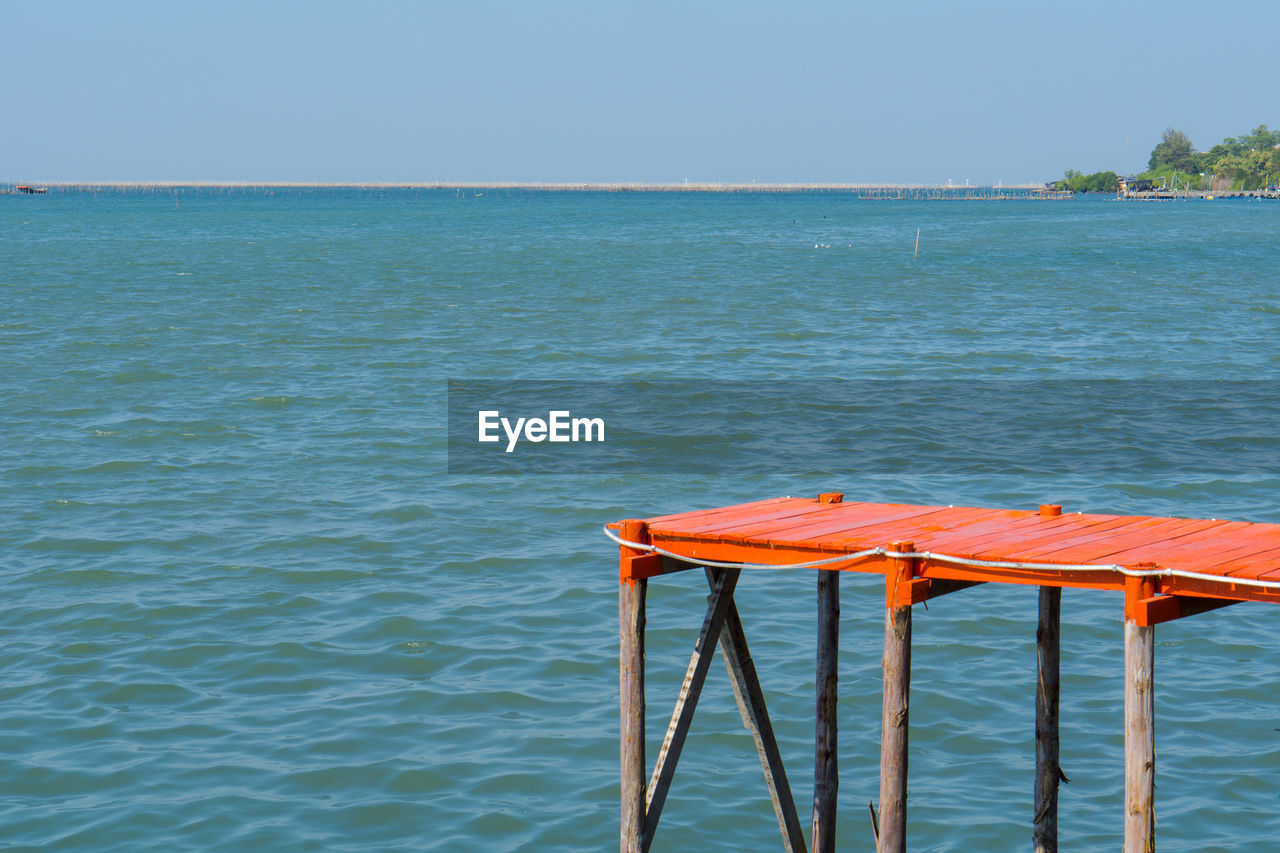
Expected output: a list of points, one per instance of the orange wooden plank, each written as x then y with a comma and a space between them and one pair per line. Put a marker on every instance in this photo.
1104, 543
950, 519
923, 539
1233, 541
729, 515
1105, 548
1188, 542
1249, 562
1247, 566
1030, 533
714, 525
728, 551
1217, 589
761, 527
679, 517
968, 518
996, 540
1262, 538
1089, 579
861, 529
1263, 566
1101, 529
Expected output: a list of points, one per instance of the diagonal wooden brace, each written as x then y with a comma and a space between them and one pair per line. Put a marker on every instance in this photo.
718, 604
755, 716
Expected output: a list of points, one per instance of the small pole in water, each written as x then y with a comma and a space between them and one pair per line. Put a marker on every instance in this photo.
916, 254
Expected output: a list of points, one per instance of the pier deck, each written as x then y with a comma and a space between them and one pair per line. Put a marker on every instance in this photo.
1083, 549
1166, 568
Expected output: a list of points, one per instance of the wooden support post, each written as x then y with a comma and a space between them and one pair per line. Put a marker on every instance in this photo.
894, 709
1048, 769
755, 716
631, 618
826, 780
718, 603
1139, 723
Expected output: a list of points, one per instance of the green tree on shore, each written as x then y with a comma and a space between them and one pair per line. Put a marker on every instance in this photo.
1248, 162
1098, 182
1176, 151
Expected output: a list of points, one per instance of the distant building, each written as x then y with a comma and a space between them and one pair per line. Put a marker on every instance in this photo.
1135, 185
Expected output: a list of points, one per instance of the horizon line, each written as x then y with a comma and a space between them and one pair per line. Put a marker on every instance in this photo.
511, 185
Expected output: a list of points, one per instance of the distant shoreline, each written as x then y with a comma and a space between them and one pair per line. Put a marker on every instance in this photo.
622, 186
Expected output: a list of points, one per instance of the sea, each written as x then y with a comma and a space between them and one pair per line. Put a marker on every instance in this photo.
246, 603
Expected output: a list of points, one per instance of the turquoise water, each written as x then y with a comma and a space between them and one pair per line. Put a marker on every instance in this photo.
246, 608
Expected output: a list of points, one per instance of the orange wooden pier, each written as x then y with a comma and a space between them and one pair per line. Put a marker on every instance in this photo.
1166, 568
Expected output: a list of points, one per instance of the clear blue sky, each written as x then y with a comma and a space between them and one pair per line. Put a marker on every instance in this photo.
645, 91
